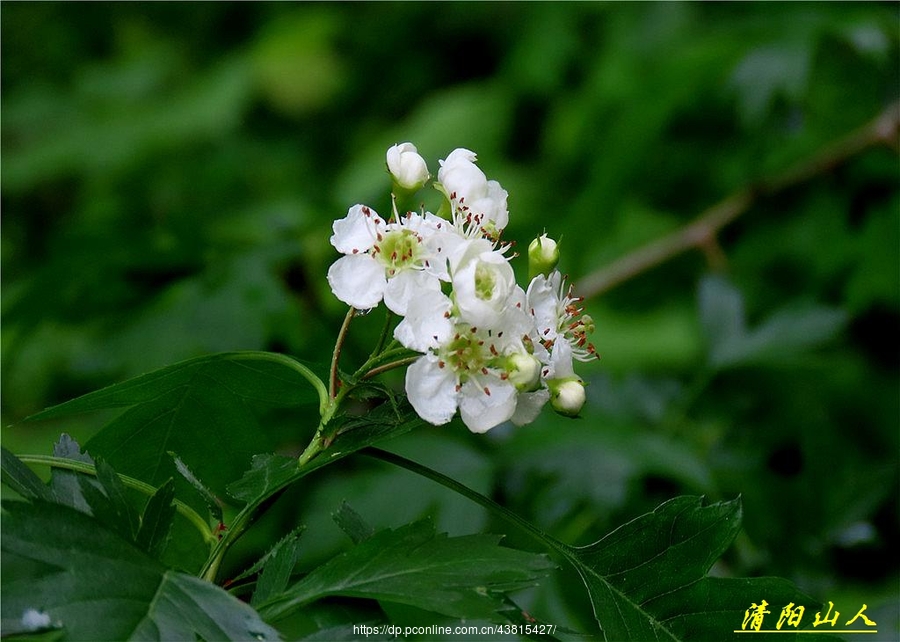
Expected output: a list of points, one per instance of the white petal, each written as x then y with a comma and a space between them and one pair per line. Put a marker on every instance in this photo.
481, 410
406, 285
560, 366
528, 406
426, 324
432, 390
357, 280
356, 232
543, 303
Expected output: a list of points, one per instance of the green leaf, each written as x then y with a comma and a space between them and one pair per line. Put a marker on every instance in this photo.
67, 484
279, 565
269, 472
647, 579
21, 478
196, 408
121, 509
156, 522
463, 577
212, 502
100, 587
352, 523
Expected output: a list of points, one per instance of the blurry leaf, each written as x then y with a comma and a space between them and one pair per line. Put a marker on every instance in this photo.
784, 333
196, 408
768, 72
296, 62
277, 568
211, 500
100, 587
463, 577
21, 478
352, 523
156, 522
88, 141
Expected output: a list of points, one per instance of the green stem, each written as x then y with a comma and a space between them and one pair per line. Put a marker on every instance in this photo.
388, 320
336, 355
390, 366
293, 364
548, 541
89, 469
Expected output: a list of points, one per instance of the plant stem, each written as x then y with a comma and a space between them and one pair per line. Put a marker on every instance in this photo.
702, 231
338, 346
390, 366
548, 541
89, 469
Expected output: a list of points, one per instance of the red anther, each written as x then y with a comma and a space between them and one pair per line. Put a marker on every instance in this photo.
487, 391
473, 330
355, 251
494, 350
458, 387
481, 343
441, 364
379, 236
484, 371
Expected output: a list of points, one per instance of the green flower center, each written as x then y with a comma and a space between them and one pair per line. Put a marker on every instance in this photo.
485, 281
398, 249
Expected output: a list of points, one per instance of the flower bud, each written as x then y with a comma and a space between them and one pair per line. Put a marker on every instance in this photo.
543, 255
567, 395
408, 169
523, 370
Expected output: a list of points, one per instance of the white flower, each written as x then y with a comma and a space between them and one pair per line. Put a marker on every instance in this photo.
464, 366
478, 205
483, 282
392, 261
557, 315
407, 167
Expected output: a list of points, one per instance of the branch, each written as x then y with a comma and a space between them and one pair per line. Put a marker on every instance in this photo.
702, 231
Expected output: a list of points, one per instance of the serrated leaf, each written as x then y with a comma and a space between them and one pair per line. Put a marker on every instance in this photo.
21, 478
66, 484
463, 577
156, 522
647, 579
100, 587
352, 523
277, 569
270, 472
212, 502
192, 408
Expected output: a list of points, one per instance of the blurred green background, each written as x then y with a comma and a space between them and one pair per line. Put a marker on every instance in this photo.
171, 171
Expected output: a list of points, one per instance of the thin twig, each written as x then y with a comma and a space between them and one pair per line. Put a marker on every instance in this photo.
702, 231
338, 346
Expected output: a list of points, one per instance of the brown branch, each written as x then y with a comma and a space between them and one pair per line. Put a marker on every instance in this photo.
702, 231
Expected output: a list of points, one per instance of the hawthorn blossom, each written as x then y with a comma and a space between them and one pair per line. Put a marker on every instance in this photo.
558, 317
478, 205
477, 370
483, 282
407, 167
393, 261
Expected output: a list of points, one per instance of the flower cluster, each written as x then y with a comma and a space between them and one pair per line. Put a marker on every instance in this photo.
490, 349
